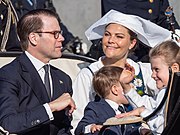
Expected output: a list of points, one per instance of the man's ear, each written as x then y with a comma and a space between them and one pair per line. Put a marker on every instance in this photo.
33, 38
175, 67
114, 89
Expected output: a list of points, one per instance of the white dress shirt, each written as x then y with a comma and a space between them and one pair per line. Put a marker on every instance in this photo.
39, 67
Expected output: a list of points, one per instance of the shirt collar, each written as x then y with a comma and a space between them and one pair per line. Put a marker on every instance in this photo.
113, 104
37, 63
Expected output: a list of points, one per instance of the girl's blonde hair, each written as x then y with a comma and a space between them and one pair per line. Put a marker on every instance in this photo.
169, 50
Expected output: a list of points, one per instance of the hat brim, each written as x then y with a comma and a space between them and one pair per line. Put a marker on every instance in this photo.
147, 32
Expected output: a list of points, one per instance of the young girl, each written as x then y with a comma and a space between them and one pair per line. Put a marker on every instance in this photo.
163, 56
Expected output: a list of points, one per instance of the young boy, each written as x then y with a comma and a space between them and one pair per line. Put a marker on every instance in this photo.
106, 83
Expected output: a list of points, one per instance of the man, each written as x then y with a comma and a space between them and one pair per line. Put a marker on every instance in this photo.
27, 105
12, 10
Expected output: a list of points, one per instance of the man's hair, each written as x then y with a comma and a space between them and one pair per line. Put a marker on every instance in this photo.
105, 78
32, 22
169, 50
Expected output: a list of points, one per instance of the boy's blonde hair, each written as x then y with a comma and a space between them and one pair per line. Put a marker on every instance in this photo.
169, 50
105, 78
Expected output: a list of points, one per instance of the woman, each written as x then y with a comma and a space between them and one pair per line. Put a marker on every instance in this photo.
120, 34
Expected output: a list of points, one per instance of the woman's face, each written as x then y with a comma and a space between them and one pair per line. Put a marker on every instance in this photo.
116, 41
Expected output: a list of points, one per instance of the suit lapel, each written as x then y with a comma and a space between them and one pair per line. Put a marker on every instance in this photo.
107, 109
58, 85
110, 113
32, 78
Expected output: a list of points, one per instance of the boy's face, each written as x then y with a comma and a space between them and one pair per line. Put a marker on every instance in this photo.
122, 99
160, 71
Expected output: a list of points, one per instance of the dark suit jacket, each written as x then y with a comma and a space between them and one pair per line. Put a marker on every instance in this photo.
141, 8
97, 113
22, 95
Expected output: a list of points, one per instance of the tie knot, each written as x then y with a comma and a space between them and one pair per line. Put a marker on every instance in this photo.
46, 68
121, 109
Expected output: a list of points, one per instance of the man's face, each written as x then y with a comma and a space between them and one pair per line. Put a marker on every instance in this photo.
48, 46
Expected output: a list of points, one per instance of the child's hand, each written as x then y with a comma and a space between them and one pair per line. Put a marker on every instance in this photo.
95, 128
128, 73
126, 77
129, 67
145, 131
135, 112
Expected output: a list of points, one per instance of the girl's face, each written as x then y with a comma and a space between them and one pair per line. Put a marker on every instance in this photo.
116, 41
160, 71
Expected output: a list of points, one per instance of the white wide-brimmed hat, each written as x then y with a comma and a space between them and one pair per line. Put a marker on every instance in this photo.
147, 32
